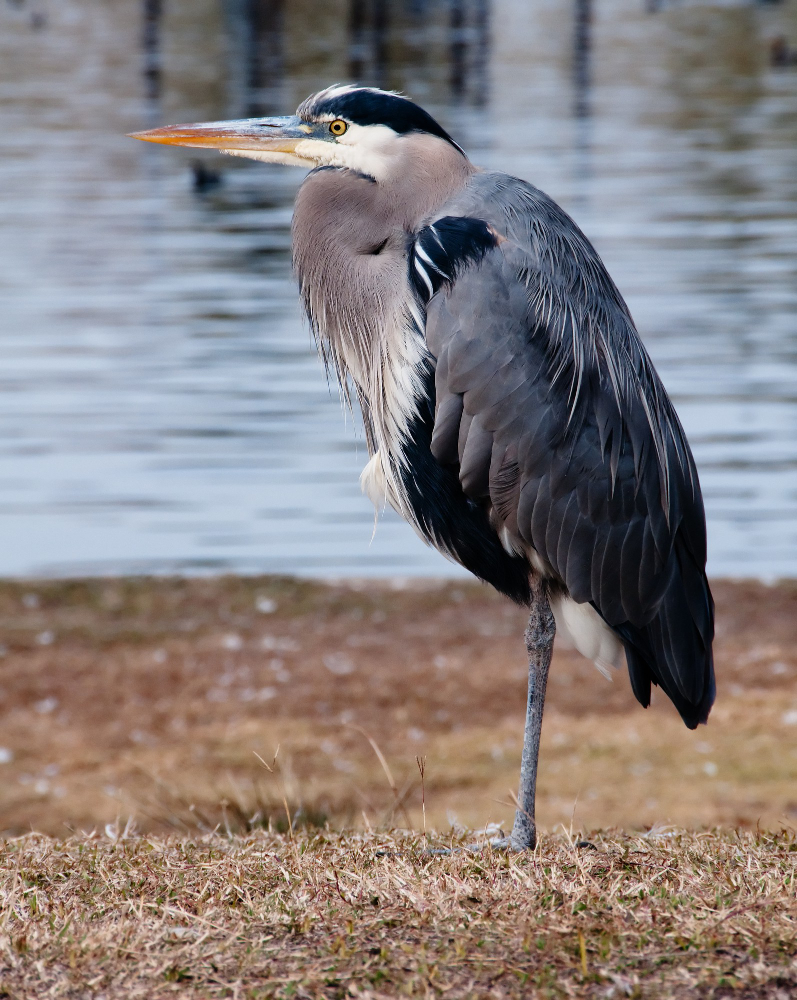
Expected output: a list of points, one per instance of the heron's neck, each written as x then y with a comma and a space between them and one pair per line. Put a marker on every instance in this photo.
351, 237
351, 233
351, 211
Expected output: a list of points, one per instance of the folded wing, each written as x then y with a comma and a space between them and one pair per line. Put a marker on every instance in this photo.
548, 409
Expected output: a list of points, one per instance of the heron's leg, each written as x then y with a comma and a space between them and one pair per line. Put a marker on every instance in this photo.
539, 643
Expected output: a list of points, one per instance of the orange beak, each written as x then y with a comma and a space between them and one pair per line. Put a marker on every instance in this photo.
275, 135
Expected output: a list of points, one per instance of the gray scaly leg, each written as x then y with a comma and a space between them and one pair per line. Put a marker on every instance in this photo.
539, 643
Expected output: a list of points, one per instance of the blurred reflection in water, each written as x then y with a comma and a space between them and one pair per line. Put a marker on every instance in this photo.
162, 406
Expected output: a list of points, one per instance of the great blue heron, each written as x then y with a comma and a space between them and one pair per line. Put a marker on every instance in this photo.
512, 414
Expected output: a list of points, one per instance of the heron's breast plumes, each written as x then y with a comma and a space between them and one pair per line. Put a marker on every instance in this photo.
351, 262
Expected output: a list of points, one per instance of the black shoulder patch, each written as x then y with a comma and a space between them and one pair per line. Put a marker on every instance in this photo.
365, 106
440, 251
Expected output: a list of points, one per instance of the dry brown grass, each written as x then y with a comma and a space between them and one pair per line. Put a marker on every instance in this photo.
150, 697
670, 914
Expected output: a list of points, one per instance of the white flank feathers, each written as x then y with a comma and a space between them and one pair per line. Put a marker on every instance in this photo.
581, 626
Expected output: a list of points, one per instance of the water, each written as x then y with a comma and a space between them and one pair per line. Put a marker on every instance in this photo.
161, 404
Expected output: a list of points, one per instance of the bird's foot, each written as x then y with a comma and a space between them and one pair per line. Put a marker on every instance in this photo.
513, 844
499, 844
504, 843
524, 831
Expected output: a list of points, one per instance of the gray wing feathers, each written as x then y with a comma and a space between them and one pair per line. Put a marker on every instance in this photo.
561, 423
445, 437
506, 344
474, 462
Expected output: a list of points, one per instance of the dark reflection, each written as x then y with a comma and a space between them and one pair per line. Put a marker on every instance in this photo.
265, 55
369, 33
381, 28
781, 54
582, 54
480, 67
391, 45
469, 41
205, 177
582, 105
150, 43
256, 74
358, 40
458, 48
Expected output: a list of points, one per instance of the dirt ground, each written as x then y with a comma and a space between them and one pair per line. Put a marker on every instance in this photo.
147, 700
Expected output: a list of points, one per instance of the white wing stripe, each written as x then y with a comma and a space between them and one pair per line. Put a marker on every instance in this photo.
425, 276
419, 250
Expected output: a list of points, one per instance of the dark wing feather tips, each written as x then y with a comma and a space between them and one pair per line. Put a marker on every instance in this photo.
551, 413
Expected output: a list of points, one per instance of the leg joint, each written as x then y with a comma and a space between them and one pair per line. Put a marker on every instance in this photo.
541, 629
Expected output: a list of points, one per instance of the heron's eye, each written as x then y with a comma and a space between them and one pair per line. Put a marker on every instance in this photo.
338, 127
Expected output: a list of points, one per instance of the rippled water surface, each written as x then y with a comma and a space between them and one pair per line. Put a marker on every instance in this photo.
161, 404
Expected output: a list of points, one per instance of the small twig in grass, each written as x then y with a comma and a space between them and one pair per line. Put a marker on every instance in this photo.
421, 762
269, 767
288, 814
401, 798
735, 913
348, 902
582, 947
398, 804
65, 928
224, 803
573, 817
172, 796
380, 756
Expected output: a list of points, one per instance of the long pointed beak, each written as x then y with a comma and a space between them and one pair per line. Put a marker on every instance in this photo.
276, 135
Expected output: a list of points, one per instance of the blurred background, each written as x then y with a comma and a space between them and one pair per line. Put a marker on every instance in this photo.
161, 404
163, 411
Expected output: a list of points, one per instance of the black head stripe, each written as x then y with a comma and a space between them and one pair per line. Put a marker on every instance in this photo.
375, 107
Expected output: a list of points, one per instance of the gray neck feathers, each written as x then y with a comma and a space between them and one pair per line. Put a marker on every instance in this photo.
350, 241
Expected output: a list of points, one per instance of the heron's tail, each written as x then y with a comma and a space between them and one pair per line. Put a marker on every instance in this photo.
674, 649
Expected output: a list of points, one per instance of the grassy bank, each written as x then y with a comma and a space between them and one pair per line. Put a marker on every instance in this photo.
151, 698
326, 916
140, 721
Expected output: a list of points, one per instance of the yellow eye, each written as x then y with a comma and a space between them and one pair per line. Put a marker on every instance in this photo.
338, 127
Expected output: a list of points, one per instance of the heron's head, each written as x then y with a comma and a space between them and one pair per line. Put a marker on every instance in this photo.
359, 128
